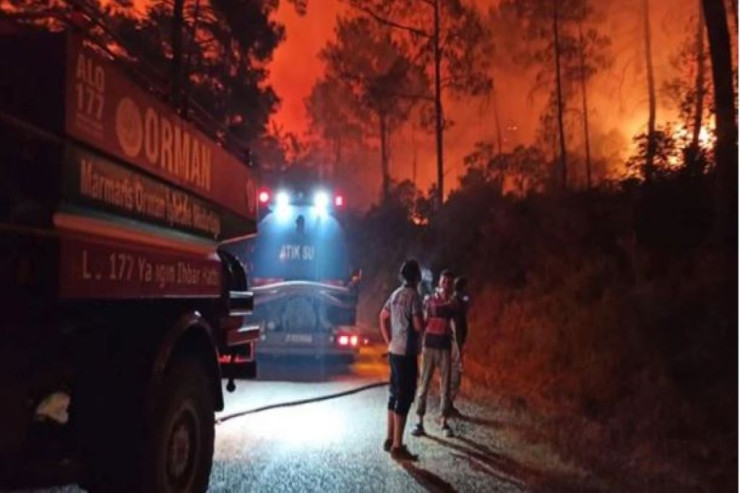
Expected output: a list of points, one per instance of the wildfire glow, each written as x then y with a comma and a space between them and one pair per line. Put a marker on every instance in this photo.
418, 219
682, 137
706, 138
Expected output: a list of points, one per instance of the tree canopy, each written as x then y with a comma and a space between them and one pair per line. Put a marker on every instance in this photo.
221, 49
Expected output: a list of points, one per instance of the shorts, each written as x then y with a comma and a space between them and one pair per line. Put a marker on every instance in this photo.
404, 373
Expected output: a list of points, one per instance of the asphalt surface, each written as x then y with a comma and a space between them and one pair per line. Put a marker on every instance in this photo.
336, 444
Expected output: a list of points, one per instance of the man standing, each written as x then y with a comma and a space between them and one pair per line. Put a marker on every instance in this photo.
460, 326
401, 324
436, 352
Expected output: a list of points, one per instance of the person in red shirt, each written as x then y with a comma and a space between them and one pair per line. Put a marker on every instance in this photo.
436, 351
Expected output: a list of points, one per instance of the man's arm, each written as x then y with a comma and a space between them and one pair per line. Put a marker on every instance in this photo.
418, 312
385, 325
418, 322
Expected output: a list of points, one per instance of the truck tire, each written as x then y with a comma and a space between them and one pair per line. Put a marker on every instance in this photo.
180, 448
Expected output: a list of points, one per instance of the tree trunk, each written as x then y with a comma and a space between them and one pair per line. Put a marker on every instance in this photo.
438, 130
699, 88
649, 169
384, 165
178, 21
559, 90
413, 157
724, 102
499, 140
586, 139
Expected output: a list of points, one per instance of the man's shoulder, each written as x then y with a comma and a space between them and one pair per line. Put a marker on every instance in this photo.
439, 298
404, 293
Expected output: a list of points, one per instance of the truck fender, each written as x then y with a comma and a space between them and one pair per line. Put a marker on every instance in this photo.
191, 334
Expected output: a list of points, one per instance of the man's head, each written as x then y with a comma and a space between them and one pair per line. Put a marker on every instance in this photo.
410, 272
446, 280
461, 284
300, 224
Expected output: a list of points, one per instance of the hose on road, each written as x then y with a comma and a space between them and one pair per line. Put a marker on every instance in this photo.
327, 397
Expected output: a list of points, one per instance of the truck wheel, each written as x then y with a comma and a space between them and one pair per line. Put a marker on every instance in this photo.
181, 445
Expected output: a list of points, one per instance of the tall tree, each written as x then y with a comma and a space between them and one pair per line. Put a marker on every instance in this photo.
584, 102
379, 73
496, 117
438, 115
333, 115
212, 54
455, 52
593, 55
699, 84
720, 51
176, 40
691, 89
550, 29
650, 154
563, 156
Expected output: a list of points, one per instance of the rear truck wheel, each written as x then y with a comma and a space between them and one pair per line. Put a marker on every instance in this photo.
180, 449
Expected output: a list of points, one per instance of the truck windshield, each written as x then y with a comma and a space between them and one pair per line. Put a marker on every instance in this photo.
299, 244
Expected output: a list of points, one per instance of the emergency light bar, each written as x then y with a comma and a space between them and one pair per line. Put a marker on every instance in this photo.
264, 197
321, 199
282, 199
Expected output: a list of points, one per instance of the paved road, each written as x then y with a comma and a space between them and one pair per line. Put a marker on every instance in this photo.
335, 445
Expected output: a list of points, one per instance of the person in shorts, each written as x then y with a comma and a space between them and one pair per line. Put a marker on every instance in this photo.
401, 324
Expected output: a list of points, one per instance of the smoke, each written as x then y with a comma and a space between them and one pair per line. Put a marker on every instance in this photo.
617, 96
296, 66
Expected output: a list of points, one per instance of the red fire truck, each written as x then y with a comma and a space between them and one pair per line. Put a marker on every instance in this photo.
117, 297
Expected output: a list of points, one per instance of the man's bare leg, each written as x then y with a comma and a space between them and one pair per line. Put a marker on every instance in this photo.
399, 423
391, 426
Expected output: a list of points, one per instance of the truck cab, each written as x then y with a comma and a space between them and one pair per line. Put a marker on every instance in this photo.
117, 291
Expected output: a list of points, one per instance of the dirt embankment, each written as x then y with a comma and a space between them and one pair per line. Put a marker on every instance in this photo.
614, 328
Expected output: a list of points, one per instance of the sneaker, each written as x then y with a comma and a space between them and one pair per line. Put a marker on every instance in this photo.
447, 431
418, 430
387, 444
402, 454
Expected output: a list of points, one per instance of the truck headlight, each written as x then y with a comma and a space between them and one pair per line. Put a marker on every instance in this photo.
321, 199
282, 199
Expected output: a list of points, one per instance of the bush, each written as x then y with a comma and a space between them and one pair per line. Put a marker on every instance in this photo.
610, 306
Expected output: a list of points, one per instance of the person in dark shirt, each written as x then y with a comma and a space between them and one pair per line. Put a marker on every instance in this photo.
460, 331
435, 353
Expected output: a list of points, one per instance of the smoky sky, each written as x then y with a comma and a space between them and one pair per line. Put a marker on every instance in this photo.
618, 95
